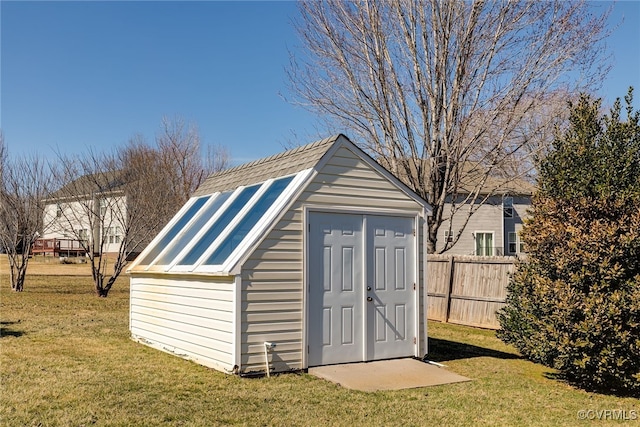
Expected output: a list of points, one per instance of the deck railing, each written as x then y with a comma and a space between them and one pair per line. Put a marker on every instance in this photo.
59, 247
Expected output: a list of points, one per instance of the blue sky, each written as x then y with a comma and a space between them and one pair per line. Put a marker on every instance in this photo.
93, 74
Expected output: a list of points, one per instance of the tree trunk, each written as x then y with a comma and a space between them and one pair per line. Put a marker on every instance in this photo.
107, 287
102, 290
18, 286
98, 280
17, 272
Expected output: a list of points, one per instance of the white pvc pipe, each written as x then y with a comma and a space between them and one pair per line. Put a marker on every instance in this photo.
267, 346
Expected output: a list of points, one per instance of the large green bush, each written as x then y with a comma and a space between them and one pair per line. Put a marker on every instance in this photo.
574, 303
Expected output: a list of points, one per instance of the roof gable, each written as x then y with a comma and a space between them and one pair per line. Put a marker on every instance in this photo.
232, 210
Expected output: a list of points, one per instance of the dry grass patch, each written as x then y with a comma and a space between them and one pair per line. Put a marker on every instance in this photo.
49, 266
67, 360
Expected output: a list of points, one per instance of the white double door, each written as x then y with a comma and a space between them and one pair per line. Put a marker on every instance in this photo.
361, 288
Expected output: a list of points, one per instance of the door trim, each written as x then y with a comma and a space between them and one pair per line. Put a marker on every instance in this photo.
307, 210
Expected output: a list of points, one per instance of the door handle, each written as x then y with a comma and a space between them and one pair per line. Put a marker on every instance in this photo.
369, 299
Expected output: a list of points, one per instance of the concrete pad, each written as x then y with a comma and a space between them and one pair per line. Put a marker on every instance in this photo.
396, 374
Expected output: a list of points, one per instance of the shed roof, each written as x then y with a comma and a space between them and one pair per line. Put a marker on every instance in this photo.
285, 163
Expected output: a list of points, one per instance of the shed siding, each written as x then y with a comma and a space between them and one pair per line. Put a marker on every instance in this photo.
185, 316
273, 276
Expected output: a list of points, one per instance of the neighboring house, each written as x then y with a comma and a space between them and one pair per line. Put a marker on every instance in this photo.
494, 228
86, 212
311, 257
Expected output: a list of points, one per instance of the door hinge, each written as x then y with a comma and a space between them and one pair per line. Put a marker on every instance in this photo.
414, 232
307, 349
415, 341
309, 227
414, 286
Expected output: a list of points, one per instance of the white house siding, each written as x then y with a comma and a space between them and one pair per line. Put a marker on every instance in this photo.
184, 315
112, 221
74, 217
272, 278
59, 227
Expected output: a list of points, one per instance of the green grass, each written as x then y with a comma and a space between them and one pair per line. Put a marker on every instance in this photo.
67, 360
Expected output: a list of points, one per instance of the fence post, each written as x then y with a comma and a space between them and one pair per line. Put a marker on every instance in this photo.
449, 289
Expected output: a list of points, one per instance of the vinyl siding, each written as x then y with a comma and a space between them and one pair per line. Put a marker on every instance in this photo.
488, 218
185, 316
272, 278
75, 217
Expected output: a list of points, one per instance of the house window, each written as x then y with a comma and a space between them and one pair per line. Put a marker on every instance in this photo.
103, 207
58, 210
513, 242
507, 206
484, 244
114, 235
83, 234
448, 236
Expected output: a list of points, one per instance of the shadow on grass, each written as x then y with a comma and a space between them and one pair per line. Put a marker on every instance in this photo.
561, 377
6, 332
445, 350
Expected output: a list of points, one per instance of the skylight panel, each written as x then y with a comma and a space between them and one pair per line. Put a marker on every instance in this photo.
190, 231
250, 219
220, 224
174, 230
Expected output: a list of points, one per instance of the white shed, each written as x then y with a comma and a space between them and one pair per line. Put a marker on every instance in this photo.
318, 251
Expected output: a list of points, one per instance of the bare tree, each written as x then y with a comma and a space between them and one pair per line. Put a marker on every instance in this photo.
25, 182
185, 164
177, 164
114, 204
447, 94
3, 152
110, 205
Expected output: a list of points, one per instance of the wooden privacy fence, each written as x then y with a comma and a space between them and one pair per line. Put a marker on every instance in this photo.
467, 290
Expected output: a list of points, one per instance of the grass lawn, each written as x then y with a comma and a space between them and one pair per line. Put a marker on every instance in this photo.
66, 360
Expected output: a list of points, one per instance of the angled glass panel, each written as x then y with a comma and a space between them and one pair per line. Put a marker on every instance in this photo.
250, 219
220, 224
175, 229
192, 229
